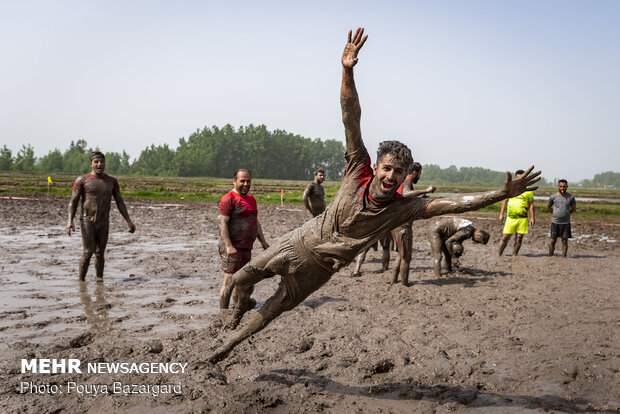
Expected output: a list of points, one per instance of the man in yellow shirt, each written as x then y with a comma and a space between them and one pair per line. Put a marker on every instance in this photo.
517, 221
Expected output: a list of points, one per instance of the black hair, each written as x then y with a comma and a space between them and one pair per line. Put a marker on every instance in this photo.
484, 236
519, 172
563, 181
97, 154
320, 170
397, 149
240, 170
415, 166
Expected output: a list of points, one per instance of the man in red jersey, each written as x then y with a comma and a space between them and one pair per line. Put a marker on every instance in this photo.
366, 206
96, 190
239, 227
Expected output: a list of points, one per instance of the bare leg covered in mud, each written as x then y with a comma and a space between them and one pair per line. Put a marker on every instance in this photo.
403, 241
552, 246
94, 241
291, 292
439, 249
515, 248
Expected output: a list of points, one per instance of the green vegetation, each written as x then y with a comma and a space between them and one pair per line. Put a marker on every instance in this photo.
277, 154
268, 191
215, 152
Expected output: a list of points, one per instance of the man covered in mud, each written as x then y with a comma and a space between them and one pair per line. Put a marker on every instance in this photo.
239, 227
516, 218
561, 205
314, 194
447, 236
366, 206
403, 235
95, 190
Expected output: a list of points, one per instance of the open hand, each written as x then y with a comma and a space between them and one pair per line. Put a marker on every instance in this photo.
515, 187
349, 55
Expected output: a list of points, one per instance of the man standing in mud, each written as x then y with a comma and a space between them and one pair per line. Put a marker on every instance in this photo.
561, 204
446, 234
517, 221
366, 206
95, 190
239, 227
403, 235
314, 194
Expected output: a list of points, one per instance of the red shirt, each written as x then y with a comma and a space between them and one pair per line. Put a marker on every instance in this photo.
243, 222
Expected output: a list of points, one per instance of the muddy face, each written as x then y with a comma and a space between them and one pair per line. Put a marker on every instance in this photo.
242, 183
98, 165
389, 175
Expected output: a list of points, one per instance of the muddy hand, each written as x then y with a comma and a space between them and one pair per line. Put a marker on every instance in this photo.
351, 49
70, 227
515, 187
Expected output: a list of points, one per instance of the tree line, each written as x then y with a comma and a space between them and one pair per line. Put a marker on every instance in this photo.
210, 152
219, 152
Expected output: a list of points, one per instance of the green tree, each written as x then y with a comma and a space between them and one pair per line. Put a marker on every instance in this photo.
51, 162
116, 163
76, 159
6, 159
25, 159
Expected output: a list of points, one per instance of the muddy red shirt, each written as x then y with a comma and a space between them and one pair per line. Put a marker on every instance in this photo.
96, 194
243, 222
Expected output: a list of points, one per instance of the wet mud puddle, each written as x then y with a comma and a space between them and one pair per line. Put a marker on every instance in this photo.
42, 298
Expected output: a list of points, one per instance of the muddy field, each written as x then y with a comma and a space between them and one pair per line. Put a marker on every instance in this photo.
512, 334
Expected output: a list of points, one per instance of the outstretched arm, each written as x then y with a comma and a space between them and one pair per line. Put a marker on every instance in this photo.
418, 193
475, 201
349, 101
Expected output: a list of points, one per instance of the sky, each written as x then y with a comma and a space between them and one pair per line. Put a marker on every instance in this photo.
494, 84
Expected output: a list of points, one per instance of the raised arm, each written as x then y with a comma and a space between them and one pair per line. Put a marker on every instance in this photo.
349, 101
475, 201
120, 204
78, 191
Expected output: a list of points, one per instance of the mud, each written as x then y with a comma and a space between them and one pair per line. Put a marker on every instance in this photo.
525, 334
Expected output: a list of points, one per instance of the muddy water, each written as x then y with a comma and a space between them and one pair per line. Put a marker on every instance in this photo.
41, 297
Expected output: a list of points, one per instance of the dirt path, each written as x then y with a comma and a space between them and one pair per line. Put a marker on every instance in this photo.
525, 334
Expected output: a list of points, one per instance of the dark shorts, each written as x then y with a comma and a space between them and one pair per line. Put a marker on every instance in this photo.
560, 230
230, 264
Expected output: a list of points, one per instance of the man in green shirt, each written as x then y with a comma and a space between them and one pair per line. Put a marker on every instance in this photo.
517, 221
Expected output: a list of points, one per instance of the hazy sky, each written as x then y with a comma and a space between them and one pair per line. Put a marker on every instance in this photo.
495, 84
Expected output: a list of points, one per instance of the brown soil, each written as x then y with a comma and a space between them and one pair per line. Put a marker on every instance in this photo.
514, 334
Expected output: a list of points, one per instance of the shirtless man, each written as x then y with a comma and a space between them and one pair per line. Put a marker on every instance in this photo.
314, 194
448, 232
239, 227
403, 235
366, 206
96, 190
